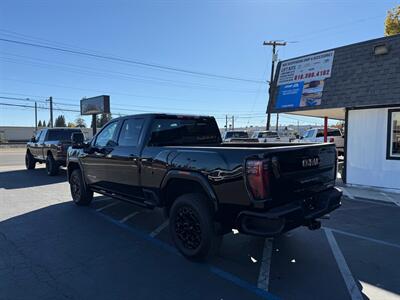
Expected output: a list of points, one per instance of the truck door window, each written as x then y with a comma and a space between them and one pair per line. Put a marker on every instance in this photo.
38, 136
42, 136
106, 136
130, 132
309, 134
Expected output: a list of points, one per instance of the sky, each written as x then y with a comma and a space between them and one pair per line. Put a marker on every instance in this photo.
222, 38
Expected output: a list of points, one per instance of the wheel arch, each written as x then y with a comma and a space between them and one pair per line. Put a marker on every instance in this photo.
177, 183
71, 167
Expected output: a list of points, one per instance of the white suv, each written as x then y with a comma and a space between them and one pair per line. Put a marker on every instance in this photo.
316, 135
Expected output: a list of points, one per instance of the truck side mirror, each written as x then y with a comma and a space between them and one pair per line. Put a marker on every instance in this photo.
33, 139
77, 139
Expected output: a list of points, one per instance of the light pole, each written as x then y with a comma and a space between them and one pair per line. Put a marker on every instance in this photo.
274, 44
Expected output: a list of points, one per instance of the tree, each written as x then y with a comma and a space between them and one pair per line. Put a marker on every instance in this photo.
60, 121
71, 124
80, 122
44, 123
392, 21
104, 118
39, 124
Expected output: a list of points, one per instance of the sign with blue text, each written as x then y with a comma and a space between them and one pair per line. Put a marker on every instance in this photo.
301, 80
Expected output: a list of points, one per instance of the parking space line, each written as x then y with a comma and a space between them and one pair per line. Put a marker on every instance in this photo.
107, 206
364, 237
263, 277
123, 220
343, 267
159, 229
219, 272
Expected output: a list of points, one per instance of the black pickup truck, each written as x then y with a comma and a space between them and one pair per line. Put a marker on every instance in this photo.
50, 146
206, 187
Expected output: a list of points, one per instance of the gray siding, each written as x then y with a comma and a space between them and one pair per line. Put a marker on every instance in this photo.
359, 78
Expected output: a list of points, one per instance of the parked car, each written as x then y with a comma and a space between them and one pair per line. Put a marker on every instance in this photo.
234, 134
265, 136
206, 187
49, 146
316, 135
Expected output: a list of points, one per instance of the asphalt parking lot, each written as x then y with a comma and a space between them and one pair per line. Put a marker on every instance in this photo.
52, 249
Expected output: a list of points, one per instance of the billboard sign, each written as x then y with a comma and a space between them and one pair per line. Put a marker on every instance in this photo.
95, 105
301, 81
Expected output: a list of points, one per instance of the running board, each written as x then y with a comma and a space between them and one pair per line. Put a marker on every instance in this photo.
145, 204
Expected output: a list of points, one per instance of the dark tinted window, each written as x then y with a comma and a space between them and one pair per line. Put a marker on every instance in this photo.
130, 132
331, 132
184, 131
237, 134
394, 134
334, 132
60, 134
268, 135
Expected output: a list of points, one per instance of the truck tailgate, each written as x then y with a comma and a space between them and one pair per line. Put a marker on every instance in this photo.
299, 173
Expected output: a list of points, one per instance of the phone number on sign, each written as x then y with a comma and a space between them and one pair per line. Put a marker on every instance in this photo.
312, 74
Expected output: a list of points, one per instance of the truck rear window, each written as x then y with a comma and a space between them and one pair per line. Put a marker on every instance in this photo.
184, 131
61, 134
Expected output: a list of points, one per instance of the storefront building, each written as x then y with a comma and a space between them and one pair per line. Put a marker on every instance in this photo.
360, 84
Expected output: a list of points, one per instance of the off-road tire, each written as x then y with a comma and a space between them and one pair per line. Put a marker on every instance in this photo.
192, 227
81, 194
30, 161
52, 166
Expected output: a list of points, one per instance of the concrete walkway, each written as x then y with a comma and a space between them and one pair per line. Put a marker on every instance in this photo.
369, 193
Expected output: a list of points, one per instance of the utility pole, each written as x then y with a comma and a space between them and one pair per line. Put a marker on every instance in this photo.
298, 128
233, 122
51, 112
94, 123
35, 116
226, 122
277, 122
274, 44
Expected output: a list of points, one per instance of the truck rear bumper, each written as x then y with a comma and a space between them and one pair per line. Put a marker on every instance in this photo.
281, 219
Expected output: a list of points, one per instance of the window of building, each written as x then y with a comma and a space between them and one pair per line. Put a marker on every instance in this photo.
393, 137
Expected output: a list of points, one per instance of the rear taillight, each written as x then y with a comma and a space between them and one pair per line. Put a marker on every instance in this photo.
331, 140
257, 175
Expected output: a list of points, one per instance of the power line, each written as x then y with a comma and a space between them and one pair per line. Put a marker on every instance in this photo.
32, 106
116, 107
125, 60
247, 116
105, 73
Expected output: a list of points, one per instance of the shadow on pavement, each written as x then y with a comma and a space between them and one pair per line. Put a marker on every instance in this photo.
63, 251
18, 179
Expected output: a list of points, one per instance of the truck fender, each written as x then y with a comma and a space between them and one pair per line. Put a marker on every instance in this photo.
75, 161
193, 176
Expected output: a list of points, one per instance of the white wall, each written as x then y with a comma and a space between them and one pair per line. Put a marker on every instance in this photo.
366, 150
23, 134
